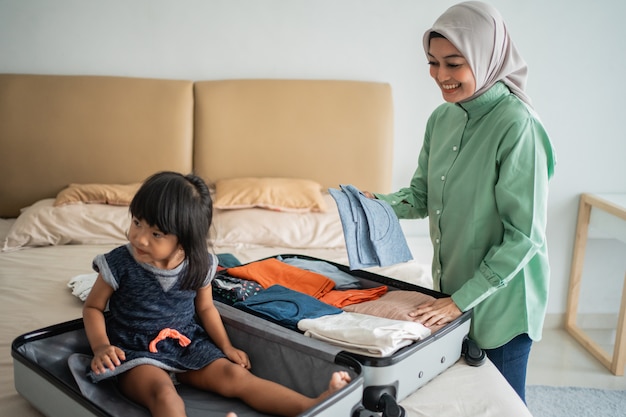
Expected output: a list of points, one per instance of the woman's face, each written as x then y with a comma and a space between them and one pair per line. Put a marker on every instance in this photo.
450, 70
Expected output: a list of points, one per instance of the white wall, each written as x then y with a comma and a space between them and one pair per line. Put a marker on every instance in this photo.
574, 50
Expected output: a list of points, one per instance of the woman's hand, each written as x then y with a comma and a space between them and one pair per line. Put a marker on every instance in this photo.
238, 356
106, 357
436, 313
368, 194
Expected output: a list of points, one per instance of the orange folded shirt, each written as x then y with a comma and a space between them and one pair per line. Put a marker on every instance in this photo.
272, 271
342, 298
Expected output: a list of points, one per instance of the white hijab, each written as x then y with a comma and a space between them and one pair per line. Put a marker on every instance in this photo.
478, 31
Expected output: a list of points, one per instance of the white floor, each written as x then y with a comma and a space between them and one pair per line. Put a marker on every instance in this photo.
560, 360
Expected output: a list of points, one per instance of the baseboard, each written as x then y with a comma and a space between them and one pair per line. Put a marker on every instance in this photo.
584, 321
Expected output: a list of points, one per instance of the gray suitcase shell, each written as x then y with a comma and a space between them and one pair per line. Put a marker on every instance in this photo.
413, 366
43, 376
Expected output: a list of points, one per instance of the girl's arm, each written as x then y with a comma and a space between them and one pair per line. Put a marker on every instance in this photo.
212, 323
105, 355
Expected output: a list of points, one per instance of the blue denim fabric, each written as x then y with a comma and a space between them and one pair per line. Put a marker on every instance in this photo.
285, 306
371, 230
511, 359
343, 280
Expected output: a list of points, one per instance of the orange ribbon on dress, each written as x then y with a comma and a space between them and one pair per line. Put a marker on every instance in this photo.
171, 333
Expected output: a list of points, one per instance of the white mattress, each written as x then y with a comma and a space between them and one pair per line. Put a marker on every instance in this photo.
34, 294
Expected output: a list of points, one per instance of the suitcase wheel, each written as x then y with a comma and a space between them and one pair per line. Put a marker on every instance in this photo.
474, 356
382, 399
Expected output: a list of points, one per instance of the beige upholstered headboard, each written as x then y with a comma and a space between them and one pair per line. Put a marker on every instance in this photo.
329, 131
57, 130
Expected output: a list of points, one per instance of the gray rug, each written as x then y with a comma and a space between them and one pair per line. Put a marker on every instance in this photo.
546, 401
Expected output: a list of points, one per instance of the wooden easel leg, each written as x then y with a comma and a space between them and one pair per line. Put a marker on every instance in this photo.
619, 351
578, 258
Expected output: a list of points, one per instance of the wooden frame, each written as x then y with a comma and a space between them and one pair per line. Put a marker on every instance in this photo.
615, 362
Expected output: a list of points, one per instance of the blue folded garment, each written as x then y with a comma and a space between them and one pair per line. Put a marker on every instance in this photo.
371, 229
285, 306
343, 280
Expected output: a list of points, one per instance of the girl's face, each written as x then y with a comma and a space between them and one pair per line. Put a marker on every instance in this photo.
152, 246
450, 70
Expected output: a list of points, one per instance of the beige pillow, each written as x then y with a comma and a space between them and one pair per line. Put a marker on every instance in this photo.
113, 194
43, 224
280, 194
261, 227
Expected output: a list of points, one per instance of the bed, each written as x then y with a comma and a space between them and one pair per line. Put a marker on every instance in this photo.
270, 149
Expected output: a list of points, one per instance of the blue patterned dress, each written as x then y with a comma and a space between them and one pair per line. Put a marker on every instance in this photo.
147, 300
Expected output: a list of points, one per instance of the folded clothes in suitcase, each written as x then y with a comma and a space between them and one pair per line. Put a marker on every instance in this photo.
50, 367
390, 374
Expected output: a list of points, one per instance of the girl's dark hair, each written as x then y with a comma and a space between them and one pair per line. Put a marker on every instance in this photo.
180, 205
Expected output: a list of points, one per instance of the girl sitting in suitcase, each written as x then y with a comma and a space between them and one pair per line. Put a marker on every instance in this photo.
155, 286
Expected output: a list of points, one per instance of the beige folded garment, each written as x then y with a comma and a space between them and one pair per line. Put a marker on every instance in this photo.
394, 305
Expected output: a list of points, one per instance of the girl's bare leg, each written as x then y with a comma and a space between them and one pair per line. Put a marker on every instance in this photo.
153, 388
231, 380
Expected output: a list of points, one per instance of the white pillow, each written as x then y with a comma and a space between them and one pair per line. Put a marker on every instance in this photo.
261, 227
5, 226
42, 224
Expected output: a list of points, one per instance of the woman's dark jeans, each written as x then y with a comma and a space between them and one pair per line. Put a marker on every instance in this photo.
511, 360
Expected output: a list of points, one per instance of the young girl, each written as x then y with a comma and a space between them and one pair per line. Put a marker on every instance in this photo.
154, 286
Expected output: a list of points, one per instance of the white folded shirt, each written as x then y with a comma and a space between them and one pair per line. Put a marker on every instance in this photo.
363, 333
81, 284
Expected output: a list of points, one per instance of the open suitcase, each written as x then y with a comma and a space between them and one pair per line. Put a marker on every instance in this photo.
50, 372
50, 364
390, 379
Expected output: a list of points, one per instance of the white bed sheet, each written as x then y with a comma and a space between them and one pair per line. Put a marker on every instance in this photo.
34, 294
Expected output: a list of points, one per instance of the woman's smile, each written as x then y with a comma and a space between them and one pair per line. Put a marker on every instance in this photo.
450, 87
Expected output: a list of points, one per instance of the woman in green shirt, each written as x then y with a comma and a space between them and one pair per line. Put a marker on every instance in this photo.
482, 180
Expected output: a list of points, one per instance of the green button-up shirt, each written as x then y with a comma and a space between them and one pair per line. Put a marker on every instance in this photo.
482, 179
